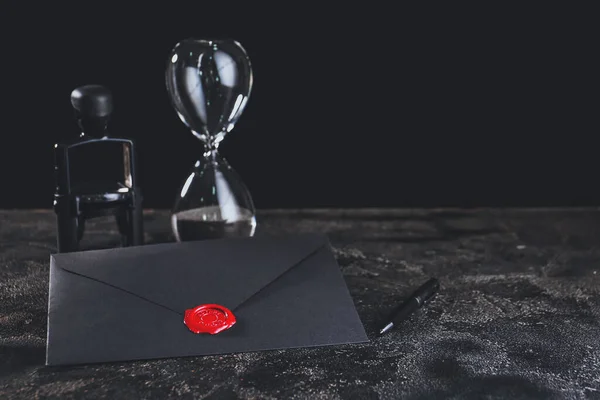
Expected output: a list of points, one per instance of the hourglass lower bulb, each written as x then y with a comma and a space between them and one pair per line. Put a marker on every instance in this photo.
209, 82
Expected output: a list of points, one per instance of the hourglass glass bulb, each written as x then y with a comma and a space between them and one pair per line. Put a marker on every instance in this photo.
209, 82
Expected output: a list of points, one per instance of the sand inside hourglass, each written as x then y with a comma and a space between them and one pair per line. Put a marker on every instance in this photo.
211, 223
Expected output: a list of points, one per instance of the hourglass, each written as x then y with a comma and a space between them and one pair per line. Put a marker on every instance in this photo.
209, 82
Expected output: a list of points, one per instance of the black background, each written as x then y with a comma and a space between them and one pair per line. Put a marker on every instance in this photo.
352, 107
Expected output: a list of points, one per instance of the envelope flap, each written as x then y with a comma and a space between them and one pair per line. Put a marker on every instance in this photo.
183, 275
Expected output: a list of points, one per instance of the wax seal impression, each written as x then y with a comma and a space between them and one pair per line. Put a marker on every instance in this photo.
209, 318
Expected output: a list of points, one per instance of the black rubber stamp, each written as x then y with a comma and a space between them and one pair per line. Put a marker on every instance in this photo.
84, 187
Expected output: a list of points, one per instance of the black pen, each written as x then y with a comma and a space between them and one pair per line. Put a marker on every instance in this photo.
421, 296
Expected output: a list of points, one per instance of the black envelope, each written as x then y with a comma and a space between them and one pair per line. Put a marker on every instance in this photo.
129, 303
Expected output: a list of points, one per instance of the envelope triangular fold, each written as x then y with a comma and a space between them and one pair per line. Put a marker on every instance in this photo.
181, 276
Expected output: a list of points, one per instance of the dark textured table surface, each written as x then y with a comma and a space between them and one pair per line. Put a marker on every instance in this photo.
518, 315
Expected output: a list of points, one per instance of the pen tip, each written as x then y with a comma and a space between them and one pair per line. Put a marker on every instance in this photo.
386, 328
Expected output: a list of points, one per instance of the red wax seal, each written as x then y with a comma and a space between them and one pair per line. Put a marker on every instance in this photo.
209, 318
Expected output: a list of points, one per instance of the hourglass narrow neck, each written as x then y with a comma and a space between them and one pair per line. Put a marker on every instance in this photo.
210, 141
211, 149
210, 156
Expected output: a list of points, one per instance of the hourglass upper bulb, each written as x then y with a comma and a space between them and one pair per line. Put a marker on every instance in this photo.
209, 82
